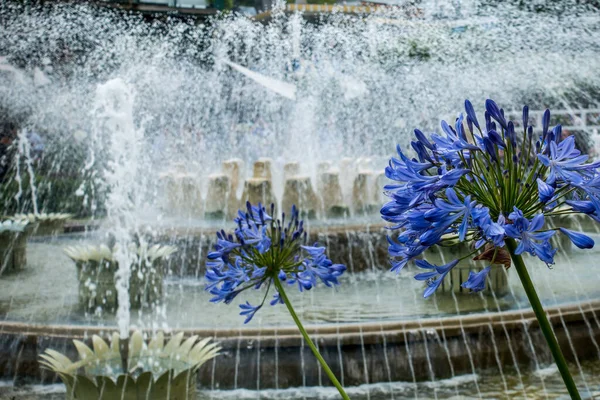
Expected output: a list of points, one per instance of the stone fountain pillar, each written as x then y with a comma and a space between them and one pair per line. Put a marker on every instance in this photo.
184, 196
364, 164
13, 246
322, 168
262, 168
298, 191
362, 198
291, 169
190, 187
233, 168
378, 183
331, 195
191, 194
347, 172
166, 184
259, 190
218, 197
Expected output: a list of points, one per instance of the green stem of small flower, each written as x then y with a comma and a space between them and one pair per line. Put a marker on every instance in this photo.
559, 213
310, 343
542, 320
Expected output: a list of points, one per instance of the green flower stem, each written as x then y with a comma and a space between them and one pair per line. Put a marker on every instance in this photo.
542, 319
312, 346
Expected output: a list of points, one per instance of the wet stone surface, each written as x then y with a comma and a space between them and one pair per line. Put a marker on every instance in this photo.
544, 383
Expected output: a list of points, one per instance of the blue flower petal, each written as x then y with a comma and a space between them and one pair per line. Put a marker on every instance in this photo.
249, 310
579, 239
546, 192
476, 280
495, 112
586, 207
471, 113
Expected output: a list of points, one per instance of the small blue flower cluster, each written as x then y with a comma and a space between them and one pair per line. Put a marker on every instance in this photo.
483, 185
261, 250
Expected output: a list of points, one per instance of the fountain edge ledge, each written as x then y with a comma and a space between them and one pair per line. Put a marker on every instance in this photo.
572, 312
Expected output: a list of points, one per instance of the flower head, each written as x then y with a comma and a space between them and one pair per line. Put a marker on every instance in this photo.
530, 237
566, 164
476, 280
486, 186
435, 276
261, 250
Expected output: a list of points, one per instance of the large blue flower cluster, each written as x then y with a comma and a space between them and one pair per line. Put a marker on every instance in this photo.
261, 250
483, 184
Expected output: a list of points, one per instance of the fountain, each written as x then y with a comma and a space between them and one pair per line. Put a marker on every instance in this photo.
97, 268
169, 370
13, 244
158, 132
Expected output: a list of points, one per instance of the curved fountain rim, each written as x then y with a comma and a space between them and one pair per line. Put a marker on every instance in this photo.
504, 319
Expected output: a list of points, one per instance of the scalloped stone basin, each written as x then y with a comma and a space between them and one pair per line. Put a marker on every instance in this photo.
13, 254
155, 370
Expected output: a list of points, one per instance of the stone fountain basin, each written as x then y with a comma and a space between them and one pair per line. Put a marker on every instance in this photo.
359, 242
357, 353
374, 327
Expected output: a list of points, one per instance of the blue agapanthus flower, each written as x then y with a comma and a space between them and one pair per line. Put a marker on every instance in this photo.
565, 163
484, 187
529, 236
263, 249
435, 276
476, 280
